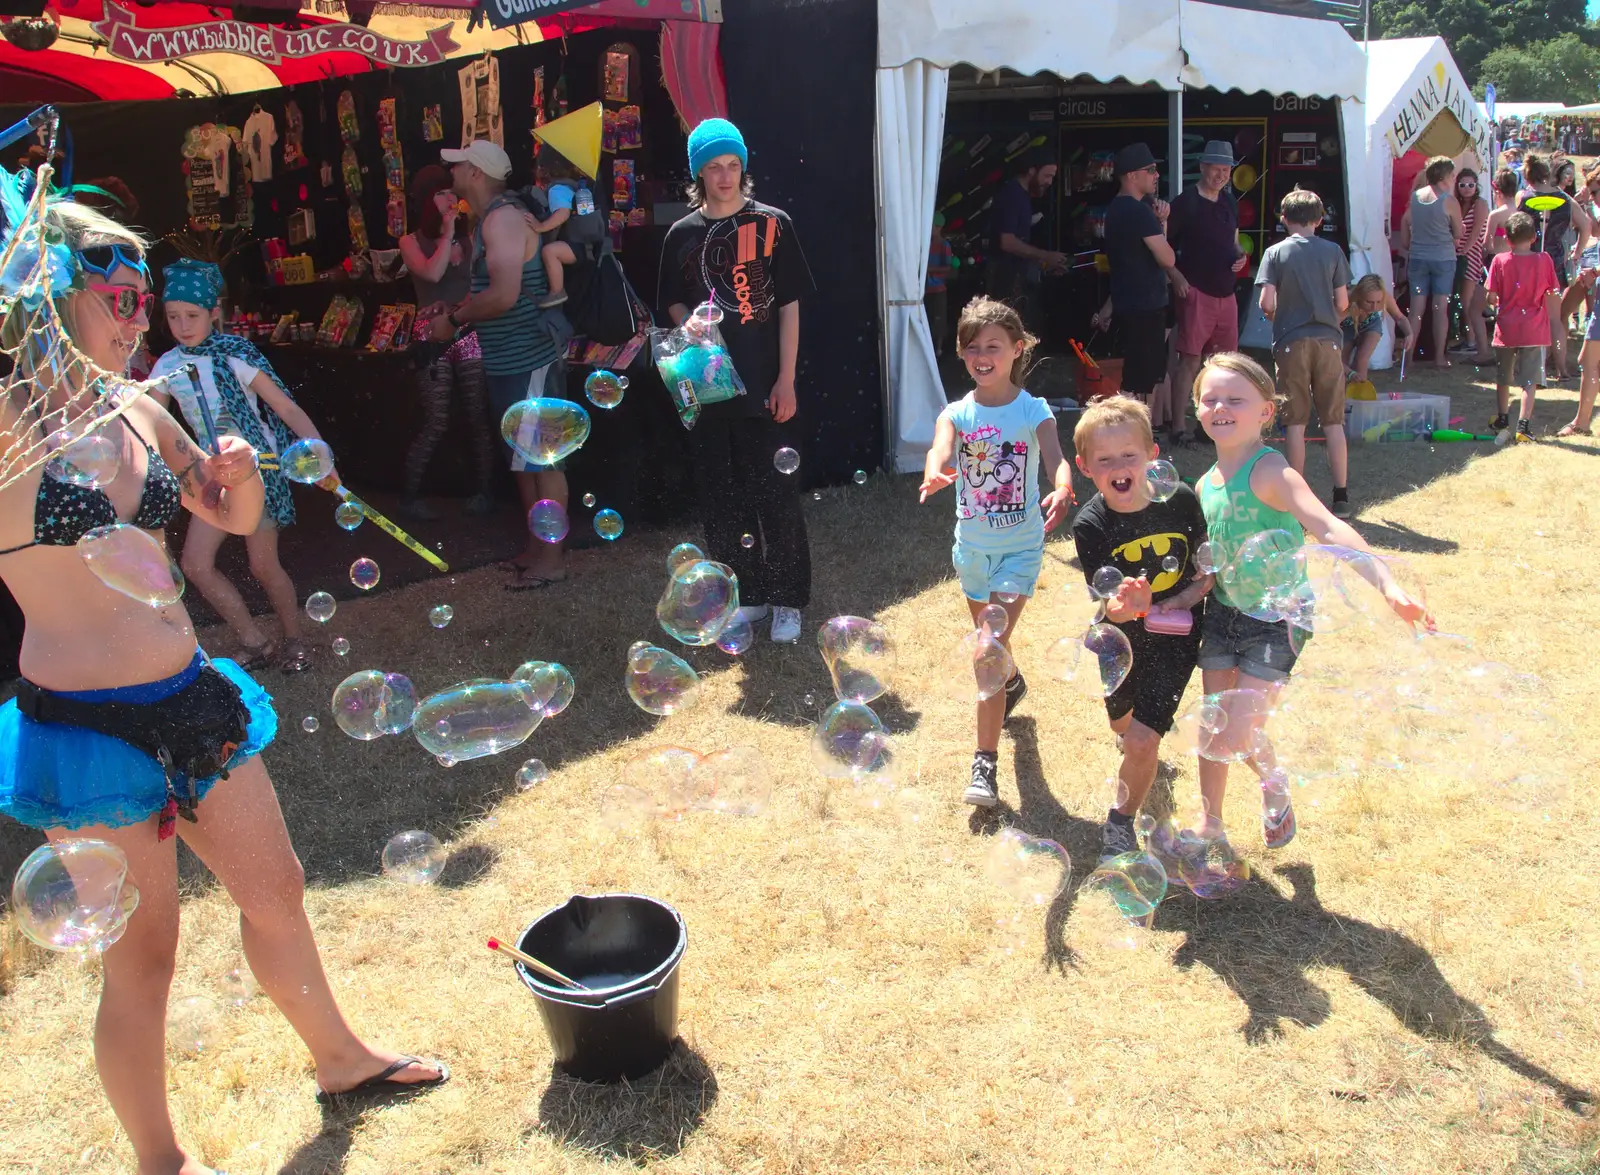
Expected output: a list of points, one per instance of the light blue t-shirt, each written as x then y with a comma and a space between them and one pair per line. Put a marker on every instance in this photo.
561, 196
997, 473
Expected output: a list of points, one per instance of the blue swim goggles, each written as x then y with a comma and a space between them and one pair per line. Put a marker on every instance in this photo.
105, 259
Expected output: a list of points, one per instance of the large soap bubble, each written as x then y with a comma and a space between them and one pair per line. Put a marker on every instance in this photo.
666, 775
1136, 882
1161, 480
371, 704
659, 682
1264, 566
415, 857
682, 557
1096, 663
1030, 870
698, 603
552, 684
348, 515
978, 667
849, 742
786, 460
133, 562
1106, 581
737, 635
194, 1024
734, 782
1225, 727
859, 656
320, 606
547, 521
605, 389
74, 895
91, 461
306, 461
545, 431
476, 718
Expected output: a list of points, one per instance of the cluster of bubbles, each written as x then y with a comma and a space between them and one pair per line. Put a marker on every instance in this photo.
667, 782
371, 704
134, 562
74, 895
306, 461
415, 858
195, 1023
545, 431
551, 683
605, 389
980, 665
348, 515
364, 573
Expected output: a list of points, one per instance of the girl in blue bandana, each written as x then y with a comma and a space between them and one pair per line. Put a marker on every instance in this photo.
247, 399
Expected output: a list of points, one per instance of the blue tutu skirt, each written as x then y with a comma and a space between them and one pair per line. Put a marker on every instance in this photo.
54, 776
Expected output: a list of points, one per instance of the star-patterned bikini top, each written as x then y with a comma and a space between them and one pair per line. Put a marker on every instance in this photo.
63, 513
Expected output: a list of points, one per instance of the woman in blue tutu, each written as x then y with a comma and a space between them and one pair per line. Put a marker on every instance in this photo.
123, 729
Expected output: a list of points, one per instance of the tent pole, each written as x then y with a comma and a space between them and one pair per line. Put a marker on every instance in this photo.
1174, 142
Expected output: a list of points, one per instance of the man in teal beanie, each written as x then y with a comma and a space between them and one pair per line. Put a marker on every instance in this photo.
745, 257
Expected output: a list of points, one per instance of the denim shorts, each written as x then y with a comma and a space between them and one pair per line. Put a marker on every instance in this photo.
1431, 277
506, 390
979, 571
1231, 640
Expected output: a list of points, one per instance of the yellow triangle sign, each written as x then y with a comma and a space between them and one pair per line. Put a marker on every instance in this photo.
577, 136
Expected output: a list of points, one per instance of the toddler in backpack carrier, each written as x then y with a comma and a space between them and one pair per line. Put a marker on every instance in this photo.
575, 218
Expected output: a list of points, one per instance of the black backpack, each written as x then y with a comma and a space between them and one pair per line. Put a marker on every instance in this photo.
601, 303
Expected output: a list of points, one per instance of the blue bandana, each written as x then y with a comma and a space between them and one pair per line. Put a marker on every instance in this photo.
196, 282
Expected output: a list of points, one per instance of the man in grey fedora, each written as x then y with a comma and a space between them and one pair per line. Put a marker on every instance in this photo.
1203, 229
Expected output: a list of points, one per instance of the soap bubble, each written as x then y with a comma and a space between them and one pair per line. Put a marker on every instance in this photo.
747, 541
91, 461
531, 774
74, 895
133, 562
666, 775
860, 477
1206, 864
978, 667
1275, 794
194, 1024
371, 704
859, 655
1266, 564
608, 525
659, 682
1006, 589
1206, 559
588, 499
440, 615
1097, 663
733, 782
737, 635
551, 682
1171, 564
341, 647
626, 808
547, 521
310, 724
1136, 882
320, 606
995, 618
1106, 581
472, 719
786, 460
416, 858
348, 515
1030, 870
238, 985
1225, 727
1161, 480
605, 389
849, 741
364, 574
682, 557
544, 432
306, 461
698, 602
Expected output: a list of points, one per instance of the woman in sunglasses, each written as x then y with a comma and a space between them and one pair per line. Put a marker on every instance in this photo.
1474, 332
122, 729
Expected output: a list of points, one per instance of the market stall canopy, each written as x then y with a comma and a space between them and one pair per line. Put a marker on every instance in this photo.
1229, 48
1418, 99
1530, 109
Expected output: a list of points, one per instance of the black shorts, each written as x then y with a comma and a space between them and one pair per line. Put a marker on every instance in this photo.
1144, 348
1162, 666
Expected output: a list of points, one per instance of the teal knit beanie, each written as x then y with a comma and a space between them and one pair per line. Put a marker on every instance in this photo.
713, 137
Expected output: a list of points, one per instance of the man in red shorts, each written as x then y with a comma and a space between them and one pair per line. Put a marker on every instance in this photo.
1203, 229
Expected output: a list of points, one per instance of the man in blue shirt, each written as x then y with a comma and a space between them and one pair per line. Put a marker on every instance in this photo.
1141, 264
1015, 265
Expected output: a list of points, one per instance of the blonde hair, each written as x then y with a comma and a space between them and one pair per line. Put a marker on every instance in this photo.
1246, 367
86, 228
1117, 411
984, 311
1301, 208
1366, 286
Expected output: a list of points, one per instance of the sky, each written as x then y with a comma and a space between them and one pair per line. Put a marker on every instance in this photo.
1594, 9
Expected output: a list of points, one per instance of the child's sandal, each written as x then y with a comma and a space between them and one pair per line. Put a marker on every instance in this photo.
296, 657
252, 657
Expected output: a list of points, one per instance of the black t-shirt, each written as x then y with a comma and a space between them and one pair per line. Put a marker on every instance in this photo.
1137, 281
752, 264
1011, 212
1138, 544
1205, 236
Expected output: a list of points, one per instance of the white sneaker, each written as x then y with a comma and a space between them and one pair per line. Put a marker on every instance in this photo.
786, 625
751, 615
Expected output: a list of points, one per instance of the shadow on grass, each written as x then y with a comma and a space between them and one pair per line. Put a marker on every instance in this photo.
468, 865
324, 1153
1389, 535
637, 1121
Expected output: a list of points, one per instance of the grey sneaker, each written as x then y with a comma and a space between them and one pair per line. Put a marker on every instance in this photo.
1016, 690
983, 791
785, 625
1341, 508
1116, 839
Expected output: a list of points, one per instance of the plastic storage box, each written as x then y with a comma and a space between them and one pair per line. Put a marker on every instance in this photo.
1395, 416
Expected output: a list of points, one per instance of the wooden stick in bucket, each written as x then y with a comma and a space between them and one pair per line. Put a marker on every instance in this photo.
529, 961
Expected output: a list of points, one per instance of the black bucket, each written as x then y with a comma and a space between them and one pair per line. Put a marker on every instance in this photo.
625, 949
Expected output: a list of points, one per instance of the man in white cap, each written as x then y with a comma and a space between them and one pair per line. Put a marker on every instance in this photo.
508, 281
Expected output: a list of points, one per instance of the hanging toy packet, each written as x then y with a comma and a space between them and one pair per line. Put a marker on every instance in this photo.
694, 363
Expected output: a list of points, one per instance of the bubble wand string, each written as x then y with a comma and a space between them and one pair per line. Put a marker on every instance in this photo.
529, 961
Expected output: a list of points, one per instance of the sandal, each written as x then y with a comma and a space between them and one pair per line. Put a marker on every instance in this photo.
383, 1084
527, 580
253, 657
296, 657
1572, 430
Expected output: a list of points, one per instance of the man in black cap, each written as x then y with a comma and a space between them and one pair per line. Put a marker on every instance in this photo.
1015, 266
1141, 264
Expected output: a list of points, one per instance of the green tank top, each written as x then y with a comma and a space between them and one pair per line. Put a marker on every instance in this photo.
1233, 515
517, 341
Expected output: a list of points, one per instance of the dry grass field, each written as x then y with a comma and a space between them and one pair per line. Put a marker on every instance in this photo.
1409, 987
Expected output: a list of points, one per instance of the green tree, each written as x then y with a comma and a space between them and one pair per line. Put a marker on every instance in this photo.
1563, 69
1476, 28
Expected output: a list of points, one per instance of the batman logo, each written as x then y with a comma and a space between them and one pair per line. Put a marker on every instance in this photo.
1157, 547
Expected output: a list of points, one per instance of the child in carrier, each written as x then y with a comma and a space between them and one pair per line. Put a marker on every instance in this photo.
572, 208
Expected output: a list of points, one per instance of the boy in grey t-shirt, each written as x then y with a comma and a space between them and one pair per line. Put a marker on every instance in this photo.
1305, 291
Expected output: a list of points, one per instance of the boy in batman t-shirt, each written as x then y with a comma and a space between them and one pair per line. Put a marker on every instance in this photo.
1153, 545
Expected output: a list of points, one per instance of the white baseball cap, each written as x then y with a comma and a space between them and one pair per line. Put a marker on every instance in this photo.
484, 155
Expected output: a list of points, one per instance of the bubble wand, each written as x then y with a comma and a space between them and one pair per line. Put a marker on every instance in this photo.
332, 484
529, 961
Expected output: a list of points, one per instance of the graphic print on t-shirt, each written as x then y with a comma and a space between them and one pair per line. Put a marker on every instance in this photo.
1147, 556
993, 477
736, 264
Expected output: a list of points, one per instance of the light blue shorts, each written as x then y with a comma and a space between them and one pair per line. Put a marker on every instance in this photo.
980, 571
1431, 278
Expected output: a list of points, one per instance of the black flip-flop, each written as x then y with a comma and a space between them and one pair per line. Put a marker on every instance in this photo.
383, 1084
527, 580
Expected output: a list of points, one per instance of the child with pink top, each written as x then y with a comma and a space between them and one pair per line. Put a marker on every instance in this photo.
1517, 285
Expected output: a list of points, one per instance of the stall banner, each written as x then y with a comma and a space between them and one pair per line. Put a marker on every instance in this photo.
265, 43
1439, 90
505, 13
